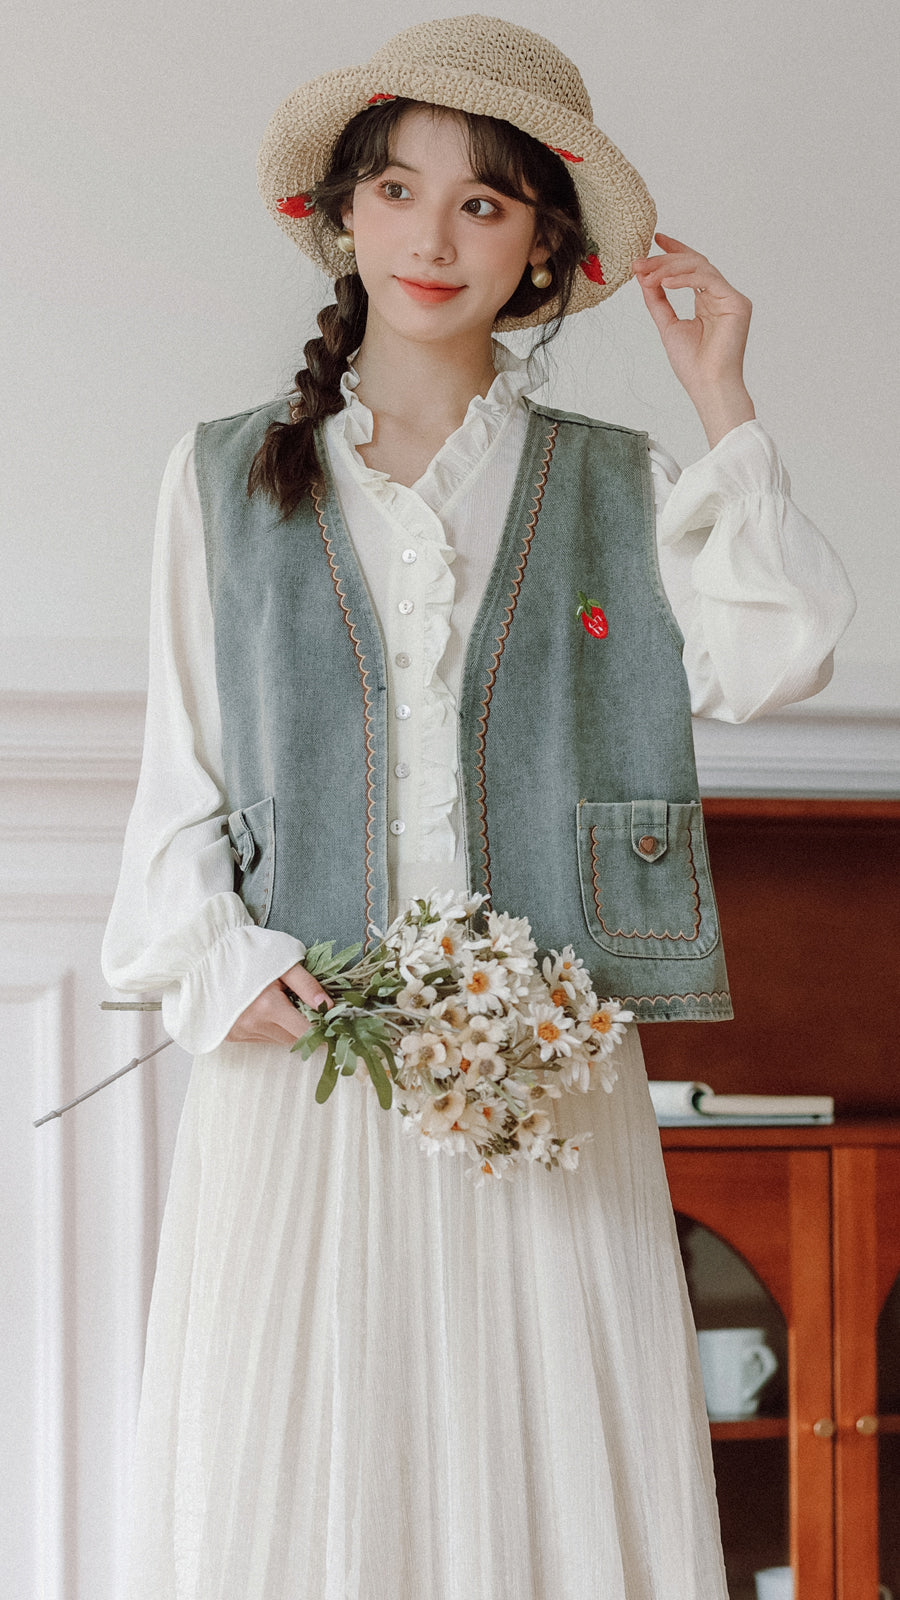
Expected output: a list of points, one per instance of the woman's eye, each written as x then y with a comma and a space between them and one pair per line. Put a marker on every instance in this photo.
480, 208
395, 190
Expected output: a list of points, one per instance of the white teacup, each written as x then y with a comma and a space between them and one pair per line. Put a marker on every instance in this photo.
775, 1583
736, 1363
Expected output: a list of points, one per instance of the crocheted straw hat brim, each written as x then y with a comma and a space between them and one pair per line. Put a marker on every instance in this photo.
492, 68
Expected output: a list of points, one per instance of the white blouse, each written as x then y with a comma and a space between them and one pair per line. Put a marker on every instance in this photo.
757, 591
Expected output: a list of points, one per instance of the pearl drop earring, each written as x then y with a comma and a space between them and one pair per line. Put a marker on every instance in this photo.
344, 242
541, 277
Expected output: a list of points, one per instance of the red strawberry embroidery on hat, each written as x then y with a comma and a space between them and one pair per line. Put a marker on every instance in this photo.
377, 97
296, 205
592, 619
566, 154
592, 269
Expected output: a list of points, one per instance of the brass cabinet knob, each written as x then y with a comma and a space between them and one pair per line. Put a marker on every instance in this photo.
867, 1425
824, 1428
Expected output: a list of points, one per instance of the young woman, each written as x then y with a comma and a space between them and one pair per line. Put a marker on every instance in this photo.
365, 1378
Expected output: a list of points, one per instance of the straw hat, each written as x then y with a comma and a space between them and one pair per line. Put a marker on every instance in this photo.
478, 64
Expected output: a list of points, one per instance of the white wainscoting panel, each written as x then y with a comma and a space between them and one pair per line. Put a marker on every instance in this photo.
83, 1194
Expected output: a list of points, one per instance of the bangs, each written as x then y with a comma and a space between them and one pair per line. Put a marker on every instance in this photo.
502, 156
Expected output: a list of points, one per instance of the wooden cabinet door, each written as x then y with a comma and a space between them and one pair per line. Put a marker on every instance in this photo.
773, 1206
866, 1264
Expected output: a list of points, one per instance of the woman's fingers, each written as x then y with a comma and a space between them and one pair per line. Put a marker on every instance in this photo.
670, 246
666, 242
269, 1019
272, 1018
660, 309
305, 986
680, 267
658, 269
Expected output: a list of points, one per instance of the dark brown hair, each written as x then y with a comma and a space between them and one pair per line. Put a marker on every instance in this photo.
286, 466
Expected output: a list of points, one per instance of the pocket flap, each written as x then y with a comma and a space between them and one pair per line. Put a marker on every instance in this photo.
243, 844
252, 834
649, 828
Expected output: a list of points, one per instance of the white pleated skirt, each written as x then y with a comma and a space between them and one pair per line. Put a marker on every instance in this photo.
366, 1379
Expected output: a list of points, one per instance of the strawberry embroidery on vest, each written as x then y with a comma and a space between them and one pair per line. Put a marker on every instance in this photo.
296, 205
592, 619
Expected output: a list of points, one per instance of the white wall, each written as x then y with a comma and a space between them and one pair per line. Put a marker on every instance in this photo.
145, 287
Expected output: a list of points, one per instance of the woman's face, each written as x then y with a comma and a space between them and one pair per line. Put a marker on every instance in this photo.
438, 251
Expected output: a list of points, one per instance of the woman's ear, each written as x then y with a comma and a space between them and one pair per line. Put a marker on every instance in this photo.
541, 251
347, 214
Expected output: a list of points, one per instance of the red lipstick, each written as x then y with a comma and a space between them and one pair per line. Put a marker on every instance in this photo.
430, 294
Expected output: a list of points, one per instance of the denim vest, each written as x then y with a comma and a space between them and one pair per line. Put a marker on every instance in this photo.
580, 795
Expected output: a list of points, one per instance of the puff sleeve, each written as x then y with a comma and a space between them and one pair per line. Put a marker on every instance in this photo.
757, 590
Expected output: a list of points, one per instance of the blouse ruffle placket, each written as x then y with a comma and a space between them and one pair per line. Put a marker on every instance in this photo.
404, 552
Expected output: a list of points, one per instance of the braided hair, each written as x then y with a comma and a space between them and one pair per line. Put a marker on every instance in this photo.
286, 467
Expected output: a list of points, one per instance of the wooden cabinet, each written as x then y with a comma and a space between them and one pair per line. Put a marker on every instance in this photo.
815, 1215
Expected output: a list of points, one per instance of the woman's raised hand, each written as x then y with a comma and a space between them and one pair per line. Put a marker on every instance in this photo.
706, 351
271, 1018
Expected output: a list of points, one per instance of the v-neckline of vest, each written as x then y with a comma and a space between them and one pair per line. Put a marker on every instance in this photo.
528, 481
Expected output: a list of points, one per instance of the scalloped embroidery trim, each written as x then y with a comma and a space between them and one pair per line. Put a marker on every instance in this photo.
619, 933
530, 530
367, 706
668, 999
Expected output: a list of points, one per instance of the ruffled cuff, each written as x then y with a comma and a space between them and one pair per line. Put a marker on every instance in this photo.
209, 969
744, 464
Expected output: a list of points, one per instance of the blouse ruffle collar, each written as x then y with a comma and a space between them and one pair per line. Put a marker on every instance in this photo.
464, 452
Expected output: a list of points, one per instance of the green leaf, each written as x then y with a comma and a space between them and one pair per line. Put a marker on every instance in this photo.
318, 956
343, 956
353, 997
345, 1054
328, 1079
439, 974
371, 1031
309, 1041
378, 1075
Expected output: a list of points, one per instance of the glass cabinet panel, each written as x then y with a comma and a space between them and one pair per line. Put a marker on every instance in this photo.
750, 1451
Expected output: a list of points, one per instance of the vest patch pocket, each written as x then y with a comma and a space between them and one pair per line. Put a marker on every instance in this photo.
645, 881
252, 835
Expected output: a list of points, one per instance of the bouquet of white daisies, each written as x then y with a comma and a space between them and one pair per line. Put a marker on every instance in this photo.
453, 1022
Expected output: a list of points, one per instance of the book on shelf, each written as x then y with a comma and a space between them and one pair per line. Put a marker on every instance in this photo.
690, 1105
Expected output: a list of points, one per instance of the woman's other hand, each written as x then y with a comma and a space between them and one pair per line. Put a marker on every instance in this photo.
271, 1018
706, 351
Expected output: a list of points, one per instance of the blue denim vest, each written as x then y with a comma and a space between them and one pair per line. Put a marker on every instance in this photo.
581, 806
